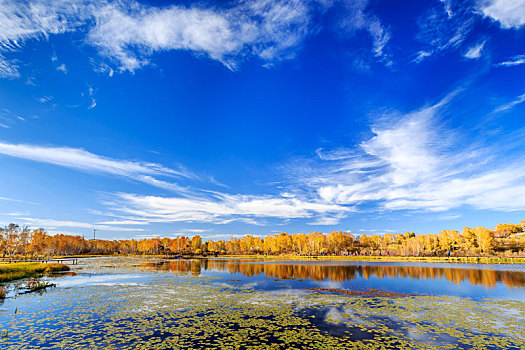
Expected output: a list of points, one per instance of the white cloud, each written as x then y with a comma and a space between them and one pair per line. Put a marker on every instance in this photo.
336, 154
128, 32
221, 208
326, 221
141, 209
62, 68
474, 52
8, 69
413, 162
101, 67
511, 104
195, 230
45, 99
513, 61
356, 18
121, 222
421, 55
442, 29
85, 161
38, 19
448, 7
16, 200
271, 30
509, 13
54, 224
150, 236
23, 20
93, 103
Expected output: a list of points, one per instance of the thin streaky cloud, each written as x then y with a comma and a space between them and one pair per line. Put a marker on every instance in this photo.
441, 29
431, 172
53, 224
8, 69
80, 159
507, 106
222, 208
513, 61
17, 200
122, 222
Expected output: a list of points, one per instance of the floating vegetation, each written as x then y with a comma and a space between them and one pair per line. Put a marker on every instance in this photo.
369, 292
166, 311
36, 286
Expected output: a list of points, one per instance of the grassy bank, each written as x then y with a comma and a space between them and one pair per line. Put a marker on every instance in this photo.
429, 259
14, 271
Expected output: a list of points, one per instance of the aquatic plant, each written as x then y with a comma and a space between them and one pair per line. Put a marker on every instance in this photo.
36, 285
180, 312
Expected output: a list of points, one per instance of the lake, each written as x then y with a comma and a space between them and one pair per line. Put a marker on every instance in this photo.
136, 303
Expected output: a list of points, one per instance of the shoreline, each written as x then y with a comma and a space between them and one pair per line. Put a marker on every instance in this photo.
20, 270
363, 258
456, 260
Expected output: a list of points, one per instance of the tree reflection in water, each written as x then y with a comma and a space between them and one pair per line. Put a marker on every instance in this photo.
341, 273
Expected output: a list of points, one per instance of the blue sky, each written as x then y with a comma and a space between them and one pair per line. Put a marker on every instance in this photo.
230, 118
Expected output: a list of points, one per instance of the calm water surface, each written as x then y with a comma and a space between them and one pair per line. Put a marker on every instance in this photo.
465, 280
204, 303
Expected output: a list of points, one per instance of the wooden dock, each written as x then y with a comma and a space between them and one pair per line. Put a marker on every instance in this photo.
70, 261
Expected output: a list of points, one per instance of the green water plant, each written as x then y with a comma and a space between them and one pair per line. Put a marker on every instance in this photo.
36, 285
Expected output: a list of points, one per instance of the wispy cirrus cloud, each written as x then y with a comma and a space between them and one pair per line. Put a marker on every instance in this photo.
24, 20
357, 18
16, 200
513, 61
128, 33
511, 104
414, 162
197, 205
8, 118
441, 29
447, 27
82, 160
55, 224
8, 69
270, 30
221, 208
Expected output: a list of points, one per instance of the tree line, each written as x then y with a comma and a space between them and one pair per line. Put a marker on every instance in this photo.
504, 239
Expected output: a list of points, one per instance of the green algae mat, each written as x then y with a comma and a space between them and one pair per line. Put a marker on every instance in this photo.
183, 312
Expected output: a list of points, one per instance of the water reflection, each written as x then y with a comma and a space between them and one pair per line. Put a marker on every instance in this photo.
341, 273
